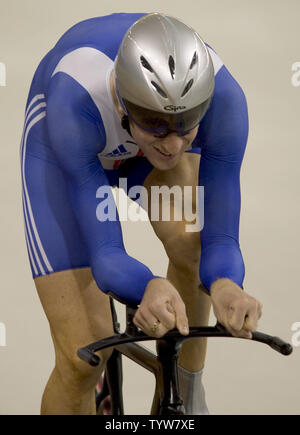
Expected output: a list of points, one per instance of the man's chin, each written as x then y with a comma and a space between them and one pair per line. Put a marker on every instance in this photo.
163, 165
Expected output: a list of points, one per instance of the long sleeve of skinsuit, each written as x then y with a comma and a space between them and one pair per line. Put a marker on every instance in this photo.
222, 137
76, 140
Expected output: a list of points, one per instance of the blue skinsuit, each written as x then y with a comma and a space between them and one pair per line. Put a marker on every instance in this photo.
73, 143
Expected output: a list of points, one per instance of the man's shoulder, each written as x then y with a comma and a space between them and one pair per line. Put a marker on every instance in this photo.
217, 61
104, 33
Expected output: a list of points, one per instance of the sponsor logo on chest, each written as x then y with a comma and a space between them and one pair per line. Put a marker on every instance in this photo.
120, 151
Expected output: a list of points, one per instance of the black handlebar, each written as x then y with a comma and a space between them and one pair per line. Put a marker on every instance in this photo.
133, 334
88, 356
275, 343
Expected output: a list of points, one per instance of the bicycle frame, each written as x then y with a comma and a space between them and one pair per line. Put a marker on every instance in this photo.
167, 398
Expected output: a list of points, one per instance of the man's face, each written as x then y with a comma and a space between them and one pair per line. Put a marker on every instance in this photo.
163, 153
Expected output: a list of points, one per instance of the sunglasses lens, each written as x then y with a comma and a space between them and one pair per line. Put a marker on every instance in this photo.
159, 123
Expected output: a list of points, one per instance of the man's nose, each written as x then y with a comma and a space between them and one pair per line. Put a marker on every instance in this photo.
172, 143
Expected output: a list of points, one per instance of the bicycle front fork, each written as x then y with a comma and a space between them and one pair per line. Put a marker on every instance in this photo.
167, 354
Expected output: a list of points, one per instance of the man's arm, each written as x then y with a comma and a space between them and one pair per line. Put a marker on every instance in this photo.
76, 140
223, 136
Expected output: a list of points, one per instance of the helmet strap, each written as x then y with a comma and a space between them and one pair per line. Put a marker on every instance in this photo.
125, 124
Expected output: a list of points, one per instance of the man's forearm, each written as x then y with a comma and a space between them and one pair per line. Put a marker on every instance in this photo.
221, 262
222, 283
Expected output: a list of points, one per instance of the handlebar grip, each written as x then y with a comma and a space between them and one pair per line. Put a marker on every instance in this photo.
281, 346
275, 343
88, 356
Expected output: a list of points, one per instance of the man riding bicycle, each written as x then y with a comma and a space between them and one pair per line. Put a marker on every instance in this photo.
139, 96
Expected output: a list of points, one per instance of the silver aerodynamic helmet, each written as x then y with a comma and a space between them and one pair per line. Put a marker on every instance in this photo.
164, 75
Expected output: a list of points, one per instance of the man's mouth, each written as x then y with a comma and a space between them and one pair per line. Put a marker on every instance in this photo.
162, 153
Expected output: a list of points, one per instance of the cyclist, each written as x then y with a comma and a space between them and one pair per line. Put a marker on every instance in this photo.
138, 96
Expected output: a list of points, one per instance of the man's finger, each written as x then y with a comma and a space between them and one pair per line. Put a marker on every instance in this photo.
240, 334
166, 318
182, 323
150, 317
150, 325
252, 318
237, 319
259, 310
169, 307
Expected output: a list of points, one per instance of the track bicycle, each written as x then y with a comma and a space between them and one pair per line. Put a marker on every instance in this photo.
163, 365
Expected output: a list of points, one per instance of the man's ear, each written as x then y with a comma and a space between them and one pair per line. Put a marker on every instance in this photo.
121, 111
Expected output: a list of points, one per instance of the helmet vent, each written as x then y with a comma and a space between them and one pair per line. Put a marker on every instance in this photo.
172, 66
188, 87
194, 60
146, 64
159, 90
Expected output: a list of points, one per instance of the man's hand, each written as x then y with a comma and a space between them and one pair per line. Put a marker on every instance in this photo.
161, 310
234, 308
